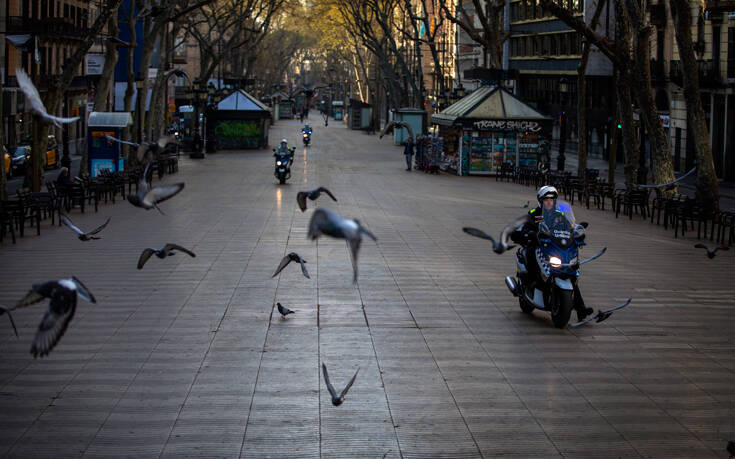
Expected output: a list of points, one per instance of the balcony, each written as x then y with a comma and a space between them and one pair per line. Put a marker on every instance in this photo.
709, 74
61, 28
719, 6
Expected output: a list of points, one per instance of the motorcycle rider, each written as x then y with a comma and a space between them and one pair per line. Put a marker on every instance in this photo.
306, 129
526, 236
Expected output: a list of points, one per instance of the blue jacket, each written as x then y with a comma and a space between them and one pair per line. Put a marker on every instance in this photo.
408, 148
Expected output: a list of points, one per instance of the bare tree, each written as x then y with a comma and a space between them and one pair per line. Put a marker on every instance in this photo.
492, 33
708, 191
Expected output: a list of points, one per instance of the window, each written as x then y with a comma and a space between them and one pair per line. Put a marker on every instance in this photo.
553, 45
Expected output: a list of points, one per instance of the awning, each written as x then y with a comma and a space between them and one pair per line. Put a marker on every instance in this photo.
110, 119
241, 101
491, 104
22, 42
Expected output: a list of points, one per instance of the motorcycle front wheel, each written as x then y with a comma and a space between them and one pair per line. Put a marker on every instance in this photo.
561, 307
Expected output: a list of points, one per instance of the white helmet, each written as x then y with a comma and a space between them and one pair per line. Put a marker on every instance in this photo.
546, 191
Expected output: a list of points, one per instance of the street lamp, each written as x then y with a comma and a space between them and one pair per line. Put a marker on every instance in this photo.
200, 96
563, 89
139, 80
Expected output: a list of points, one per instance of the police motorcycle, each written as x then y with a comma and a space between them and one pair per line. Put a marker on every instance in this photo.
284, 158
547, 271
306, 135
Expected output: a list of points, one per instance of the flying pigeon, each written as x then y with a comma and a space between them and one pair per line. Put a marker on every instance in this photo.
166, 251
502, 246
313, 195
337, 400
26, 85
284, 310
81, 234
526, 204
397, 125
731, 448
4, 310
324, 221
63, 295
146, 148
602, 315
711, 252
671, 185
148, 197
293, 256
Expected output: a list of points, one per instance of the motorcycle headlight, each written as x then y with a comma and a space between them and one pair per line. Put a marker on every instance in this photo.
306, 135
555, 261
278, 163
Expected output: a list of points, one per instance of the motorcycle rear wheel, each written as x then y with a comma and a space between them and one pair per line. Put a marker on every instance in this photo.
281, 180
561, 308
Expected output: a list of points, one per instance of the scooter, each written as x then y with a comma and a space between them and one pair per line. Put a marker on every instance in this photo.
552, 287
283, 165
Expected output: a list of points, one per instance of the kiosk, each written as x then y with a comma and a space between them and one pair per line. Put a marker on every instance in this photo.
103, 153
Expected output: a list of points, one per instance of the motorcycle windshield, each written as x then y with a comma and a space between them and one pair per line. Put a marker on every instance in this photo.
559, 222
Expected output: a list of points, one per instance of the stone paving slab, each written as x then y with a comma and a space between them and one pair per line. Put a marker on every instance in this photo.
189, 358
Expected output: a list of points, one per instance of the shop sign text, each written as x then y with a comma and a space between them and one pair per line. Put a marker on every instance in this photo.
511, 125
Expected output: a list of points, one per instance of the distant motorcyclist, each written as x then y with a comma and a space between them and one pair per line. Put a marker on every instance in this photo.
306, 129
527, 237
283, 149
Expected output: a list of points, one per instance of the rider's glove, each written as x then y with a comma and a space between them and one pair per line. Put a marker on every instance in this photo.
579, 233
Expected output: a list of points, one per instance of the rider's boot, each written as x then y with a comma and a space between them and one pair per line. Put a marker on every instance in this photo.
582, 310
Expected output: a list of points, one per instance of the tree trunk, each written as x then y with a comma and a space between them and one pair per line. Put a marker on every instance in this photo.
103, 88
613, 133
663, 170
3, 177
707, 187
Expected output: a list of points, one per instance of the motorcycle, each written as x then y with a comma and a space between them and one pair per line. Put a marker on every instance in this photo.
283, 164
553, 286
306, 137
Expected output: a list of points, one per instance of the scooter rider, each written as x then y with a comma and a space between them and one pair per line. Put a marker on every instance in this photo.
526, 236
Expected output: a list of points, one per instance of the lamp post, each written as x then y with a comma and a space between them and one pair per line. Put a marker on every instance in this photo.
563, 89
200, 95
139, 80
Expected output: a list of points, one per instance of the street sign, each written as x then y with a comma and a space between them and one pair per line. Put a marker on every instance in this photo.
94, 63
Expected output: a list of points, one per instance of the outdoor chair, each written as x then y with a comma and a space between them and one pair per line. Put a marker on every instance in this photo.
630, 201
6, 222
30, 209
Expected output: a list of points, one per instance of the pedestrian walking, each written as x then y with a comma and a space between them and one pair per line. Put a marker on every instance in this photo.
408, 152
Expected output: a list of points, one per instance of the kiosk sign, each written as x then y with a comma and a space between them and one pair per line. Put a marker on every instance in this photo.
507, 125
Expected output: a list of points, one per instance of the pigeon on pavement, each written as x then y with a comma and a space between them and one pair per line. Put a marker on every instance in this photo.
327, 222
81, 234
293, 256
711, 252
337, 399
312, 195
3, 310
503, 245
148, 197
62, 305
26, 85
284, 310
166, 251
602, 315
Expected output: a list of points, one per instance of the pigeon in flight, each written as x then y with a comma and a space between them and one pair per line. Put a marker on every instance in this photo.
711, 252
325, 221
602, 315
284, 310
81, 234
146, 148
731, 448
337, 399
671, 185
526, 204
148, 197
313, 195
63, 295
397, 125
7, 310
293, 256
502, 246
166, 251
26, 85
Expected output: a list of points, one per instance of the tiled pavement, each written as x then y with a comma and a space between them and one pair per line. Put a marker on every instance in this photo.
187, 358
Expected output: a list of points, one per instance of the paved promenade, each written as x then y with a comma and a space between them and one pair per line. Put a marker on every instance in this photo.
188, 357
